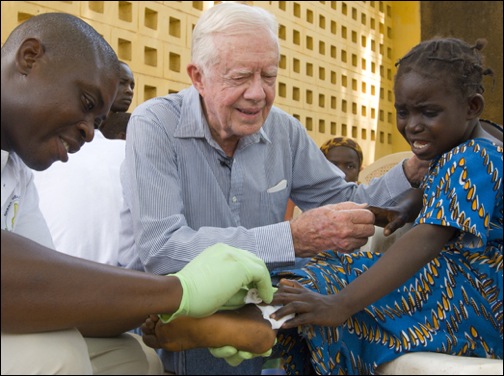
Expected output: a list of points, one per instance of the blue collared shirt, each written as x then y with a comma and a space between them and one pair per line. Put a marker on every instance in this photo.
182, 194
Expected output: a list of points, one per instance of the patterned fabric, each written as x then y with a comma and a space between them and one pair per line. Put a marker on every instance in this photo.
453, 305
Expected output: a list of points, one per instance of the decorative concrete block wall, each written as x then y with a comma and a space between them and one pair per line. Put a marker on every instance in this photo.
337, 57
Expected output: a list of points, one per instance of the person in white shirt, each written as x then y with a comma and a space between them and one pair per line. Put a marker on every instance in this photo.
82, 199
114, 126
57, 309
69, 191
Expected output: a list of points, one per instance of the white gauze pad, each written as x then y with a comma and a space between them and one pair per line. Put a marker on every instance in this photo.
253, 297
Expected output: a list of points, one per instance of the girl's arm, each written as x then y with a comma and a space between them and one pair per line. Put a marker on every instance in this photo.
411, 252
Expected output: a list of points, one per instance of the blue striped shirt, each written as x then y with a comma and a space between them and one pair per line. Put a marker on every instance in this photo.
182, 194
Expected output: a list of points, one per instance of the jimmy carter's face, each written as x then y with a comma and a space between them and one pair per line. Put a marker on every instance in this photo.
239, 91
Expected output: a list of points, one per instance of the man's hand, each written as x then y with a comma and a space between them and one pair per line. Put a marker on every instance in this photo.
218, 277
343, 227
415, 169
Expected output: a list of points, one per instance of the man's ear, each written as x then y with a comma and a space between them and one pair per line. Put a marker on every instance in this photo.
196, 77
476, 103
30, 50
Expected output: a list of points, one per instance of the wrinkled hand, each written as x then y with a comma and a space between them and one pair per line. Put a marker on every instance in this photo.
343, 227
218, 278
403, 209
309, 306
233, 357
415, 169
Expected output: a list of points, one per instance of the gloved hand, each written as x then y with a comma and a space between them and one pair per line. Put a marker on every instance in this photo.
218, 278
233, 357
241, 298
237, 300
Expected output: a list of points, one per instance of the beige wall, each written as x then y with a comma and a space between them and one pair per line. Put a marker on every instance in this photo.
471, 20
337, 57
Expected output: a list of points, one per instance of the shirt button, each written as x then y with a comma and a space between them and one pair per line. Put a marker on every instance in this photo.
234, 199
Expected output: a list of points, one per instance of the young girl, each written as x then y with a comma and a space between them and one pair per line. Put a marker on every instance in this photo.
439, 287
346, 154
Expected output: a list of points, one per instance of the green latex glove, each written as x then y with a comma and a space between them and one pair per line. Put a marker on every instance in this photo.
238, 299
233, 357
218, 275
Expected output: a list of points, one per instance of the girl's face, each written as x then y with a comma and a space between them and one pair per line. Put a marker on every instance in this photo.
431, 115
347, 160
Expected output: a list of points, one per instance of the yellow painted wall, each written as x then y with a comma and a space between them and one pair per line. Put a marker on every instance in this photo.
337, 57
406, 24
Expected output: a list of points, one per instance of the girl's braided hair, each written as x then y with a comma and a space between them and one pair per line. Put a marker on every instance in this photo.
448, 58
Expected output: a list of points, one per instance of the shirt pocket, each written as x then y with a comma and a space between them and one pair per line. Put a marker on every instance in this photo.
274, 202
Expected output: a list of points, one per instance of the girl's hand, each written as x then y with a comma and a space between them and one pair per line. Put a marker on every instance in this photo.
310, 307
399, 211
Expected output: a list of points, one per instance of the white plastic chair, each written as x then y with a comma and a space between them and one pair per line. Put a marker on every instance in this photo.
378, 242
382, 165
427, 363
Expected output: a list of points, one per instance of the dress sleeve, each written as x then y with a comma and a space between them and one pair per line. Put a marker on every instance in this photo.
461, 192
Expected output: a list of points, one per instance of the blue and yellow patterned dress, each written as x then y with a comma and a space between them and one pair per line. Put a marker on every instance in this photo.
452, 305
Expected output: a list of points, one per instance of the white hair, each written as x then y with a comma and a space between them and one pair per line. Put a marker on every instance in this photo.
228, 19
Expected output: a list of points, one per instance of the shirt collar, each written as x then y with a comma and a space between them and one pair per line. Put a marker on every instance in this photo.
5, 158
